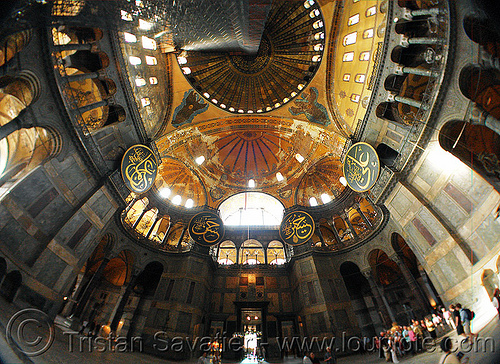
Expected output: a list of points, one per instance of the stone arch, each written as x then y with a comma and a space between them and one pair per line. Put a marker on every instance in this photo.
489, 280
386, 154
385, 270
11, 284
13, 44
119, 269
149, 278
482, 86
22, 148
481, 32
476, 146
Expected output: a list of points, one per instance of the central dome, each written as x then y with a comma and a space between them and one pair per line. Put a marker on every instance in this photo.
289, 55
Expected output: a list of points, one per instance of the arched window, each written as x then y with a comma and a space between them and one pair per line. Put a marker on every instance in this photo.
12, 44
251, 252
147, 221
251, 208
275, 253
227, 253
135, 211
26, 148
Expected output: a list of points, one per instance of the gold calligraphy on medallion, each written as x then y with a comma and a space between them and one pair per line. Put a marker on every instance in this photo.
361, 167
139, 168
297, 228
206, 228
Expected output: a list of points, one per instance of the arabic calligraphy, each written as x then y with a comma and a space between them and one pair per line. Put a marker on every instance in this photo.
206, 228
361, 167
139, 168
297, 228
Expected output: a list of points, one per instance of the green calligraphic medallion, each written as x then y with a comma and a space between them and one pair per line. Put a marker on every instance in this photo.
206, 228
139, 168
296, 228
361, 167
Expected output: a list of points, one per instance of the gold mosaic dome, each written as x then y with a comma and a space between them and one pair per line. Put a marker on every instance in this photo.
289, 55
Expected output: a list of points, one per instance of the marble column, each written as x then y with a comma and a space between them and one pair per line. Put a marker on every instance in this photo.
349, 224
182, 236
94, 281
320, 235
157, 218
412, 283
167, 233
140, 217
122, 302
385, 309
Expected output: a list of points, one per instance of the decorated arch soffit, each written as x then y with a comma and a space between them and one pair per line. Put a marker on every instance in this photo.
237, 149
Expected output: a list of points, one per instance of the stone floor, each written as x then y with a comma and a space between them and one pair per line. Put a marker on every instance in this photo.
62, 352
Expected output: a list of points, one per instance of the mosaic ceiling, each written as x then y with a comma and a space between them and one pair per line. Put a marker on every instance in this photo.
289, 55
311, 78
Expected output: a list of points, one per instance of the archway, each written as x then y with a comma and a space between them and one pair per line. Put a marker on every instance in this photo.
418, 275
11, 284
394, 287
359, 292
145, 288
476, 146
482, 86
489, 280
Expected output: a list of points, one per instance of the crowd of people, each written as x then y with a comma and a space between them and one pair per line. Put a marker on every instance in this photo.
399, 341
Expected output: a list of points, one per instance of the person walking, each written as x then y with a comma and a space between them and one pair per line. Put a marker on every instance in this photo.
466, 317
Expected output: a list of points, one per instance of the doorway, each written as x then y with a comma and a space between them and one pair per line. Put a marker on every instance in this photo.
251, 323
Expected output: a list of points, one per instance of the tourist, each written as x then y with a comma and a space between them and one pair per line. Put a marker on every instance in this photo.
203, 359
431, 328
496, 300
448, 357
392, 350
419, 335
466, 316
382, 341
437, 321
413, 339
448, 318
314, 360
458, 321
330, 356
307, 360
